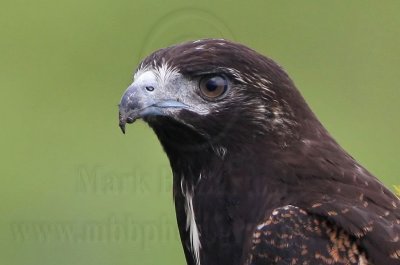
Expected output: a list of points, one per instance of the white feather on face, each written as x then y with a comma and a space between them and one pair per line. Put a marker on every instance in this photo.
170, 84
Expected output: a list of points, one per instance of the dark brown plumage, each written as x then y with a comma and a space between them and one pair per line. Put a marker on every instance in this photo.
257, 178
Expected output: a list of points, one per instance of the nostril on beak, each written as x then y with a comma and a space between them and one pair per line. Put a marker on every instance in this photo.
150, 88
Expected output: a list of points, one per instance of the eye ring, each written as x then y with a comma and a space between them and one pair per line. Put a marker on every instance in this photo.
213, 86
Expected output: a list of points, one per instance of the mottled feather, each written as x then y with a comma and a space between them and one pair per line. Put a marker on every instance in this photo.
290, 235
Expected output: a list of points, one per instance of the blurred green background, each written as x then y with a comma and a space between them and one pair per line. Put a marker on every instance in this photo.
74, 190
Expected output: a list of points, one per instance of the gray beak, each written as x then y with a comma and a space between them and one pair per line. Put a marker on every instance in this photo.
143, 101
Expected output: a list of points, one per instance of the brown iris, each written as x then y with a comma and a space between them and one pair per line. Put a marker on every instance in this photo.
213, 86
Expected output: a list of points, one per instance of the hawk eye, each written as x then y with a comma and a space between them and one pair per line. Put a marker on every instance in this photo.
213, 86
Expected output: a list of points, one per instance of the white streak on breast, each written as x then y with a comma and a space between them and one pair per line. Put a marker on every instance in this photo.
191, 226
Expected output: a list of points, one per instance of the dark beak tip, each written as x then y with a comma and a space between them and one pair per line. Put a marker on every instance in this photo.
122, 126
123, 122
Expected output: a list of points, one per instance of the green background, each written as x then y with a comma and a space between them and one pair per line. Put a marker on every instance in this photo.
74, 190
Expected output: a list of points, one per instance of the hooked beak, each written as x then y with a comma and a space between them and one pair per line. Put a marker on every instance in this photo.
139, 102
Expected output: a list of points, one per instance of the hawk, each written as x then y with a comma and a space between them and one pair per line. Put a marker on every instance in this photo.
257, 179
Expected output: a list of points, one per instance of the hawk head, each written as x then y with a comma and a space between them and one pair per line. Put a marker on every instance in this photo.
215, 92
